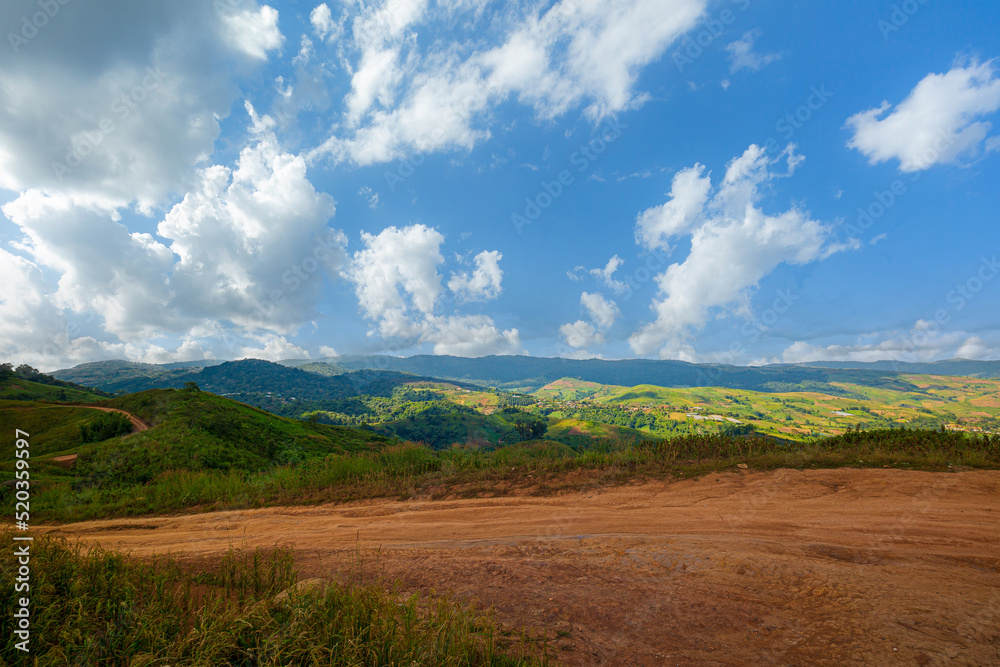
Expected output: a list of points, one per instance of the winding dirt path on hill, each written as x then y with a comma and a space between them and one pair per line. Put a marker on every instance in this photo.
137, 423
875, 567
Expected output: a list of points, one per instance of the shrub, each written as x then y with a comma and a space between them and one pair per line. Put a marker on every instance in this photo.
108, 425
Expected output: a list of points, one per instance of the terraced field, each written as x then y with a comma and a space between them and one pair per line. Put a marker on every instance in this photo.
920, 401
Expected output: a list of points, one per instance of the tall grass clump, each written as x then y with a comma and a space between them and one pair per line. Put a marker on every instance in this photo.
90, 606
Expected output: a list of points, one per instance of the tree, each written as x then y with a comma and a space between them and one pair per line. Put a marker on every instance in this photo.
26, 372
191, 386
530, 429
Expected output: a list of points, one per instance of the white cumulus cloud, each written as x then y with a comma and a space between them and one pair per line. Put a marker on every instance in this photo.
925, 341
272, 348
396, 263
602, 311
606, 274
243, 254
404, 99
471, 336
484, 283
254, 32
688, 197
940, 120
252, 242
581, 334
110, 121
733, 245
399, 288
323, 24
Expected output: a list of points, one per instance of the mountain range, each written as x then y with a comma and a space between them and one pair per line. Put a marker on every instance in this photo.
345, 376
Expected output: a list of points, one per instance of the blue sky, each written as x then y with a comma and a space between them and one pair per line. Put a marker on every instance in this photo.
729, 181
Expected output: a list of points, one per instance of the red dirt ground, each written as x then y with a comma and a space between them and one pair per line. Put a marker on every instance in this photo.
850, 566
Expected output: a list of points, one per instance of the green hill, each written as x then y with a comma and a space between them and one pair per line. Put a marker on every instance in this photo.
196, 429
189, 432
279, 389
27, 384
442, 423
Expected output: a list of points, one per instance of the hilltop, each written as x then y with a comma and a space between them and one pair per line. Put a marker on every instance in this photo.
25, 383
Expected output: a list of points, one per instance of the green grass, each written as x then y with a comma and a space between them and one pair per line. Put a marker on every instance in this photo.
54, 429
563, 429
195, 436
97, 607
16, 389
195, 430
541, 467
571, 389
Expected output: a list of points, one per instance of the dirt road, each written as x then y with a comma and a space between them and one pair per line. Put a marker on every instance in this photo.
789, 567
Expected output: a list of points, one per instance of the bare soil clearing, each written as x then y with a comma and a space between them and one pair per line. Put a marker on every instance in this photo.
789, 567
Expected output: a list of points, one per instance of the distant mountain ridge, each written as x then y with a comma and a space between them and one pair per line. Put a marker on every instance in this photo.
349, 375
247, 376
534, 372
958, 367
